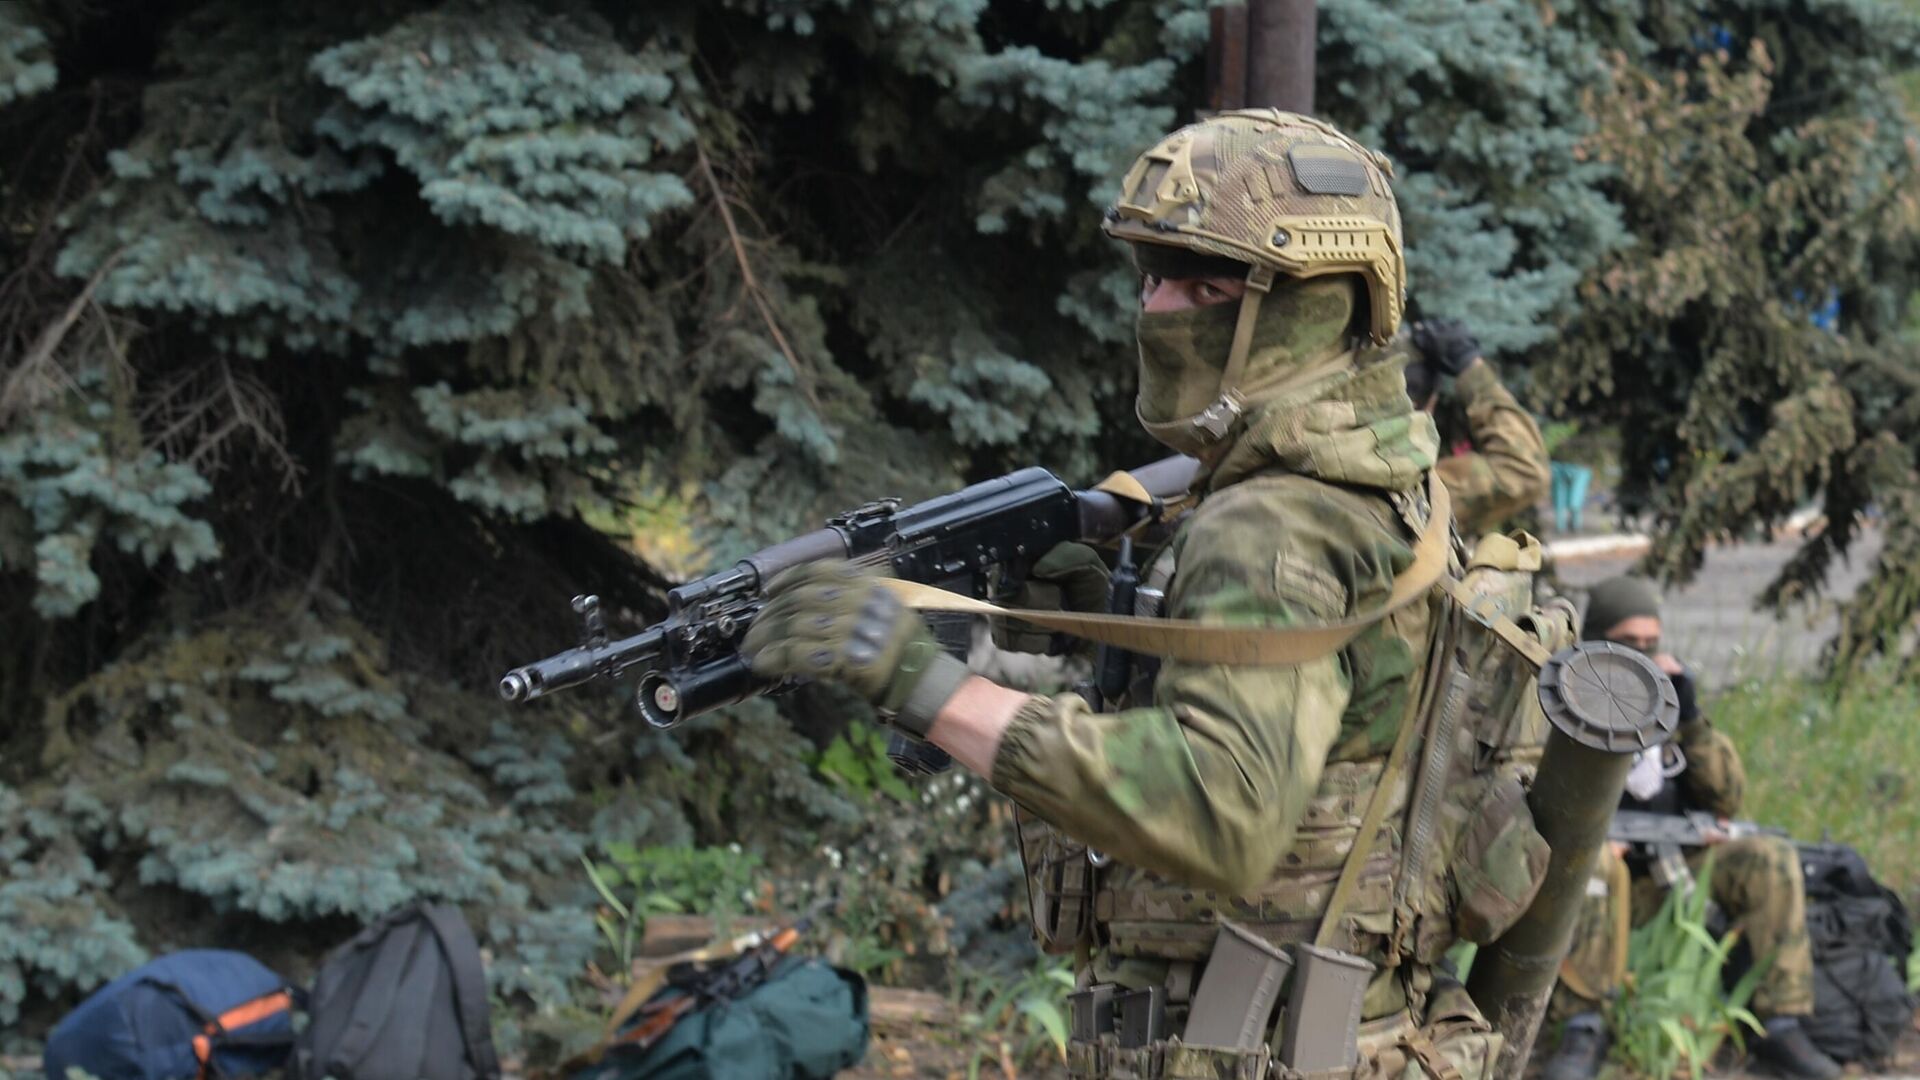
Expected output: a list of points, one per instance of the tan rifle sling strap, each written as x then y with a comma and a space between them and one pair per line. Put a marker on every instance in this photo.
1440, 639
1211, 643
1437, 708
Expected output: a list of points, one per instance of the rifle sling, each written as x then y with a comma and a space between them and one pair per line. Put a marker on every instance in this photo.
1198, 642
1477, 608
1424, 706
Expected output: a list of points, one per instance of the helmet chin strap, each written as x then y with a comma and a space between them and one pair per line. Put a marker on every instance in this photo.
1217, 419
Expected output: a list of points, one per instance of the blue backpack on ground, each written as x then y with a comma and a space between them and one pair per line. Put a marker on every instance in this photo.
202, 1013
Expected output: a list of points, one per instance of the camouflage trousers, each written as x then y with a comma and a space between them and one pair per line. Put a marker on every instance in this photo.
1756, 882
1596, 965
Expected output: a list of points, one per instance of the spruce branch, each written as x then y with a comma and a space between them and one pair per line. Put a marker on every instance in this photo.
749, 282
37, 377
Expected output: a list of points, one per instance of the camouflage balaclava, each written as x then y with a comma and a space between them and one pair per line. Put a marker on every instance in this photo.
1287, 203
1301, 326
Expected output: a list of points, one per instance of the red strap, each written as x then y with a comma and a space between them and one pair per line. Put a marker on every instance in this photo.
241, 1015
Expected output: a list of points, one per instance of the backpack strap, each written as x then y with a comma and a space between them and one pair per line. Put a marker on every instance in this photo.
469, 985
393, 936
218, 1031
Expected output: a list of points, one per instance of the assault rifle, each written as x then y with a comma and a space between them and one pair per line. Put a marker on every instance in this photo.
1662, 838
980, 542
729, 982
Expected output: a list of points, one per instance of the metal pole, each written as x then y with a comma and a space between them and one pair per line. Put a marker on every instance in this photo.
1280, 40
1227, 57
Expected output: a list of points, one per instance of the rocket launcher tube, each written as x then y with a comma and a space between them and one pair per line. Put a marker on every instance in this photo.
1605, 702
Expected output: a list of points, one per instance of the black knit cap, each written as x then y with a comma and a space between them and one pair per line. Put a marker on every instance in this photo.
1616, 600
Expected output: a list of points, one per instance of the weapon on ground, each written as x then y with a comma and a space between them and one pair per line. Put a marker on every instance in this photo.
1661, 839
729, 982
979, 542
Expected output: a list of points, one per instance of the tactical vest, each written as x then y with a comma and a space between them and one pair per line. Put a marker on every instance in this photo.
1455, 854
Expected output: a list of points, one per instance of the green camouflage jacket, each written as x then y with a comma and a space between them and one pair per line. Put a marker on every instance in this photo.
1714, 780
1235, 778
1507, 470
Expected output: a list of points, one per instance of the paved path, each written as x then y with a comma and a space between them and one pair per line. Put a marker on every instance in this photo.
1712, 622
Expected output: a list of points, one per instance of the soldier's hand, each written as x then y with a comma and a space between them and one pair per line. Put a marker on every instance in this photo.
1447, 344
1683, 685
834, 620
1069, 577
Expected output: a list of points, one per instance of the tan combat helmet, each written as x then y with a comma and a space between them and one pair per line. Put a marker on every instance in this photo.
1285, 193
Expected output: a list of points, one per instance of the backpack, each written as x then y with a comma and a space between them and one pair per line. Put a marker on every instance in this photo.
200, 1013
1861, 937
808, 1021
405, 999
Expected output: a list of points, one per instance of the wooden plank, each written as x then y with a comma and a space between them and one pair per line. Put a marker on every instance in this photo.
669, 934
893, 1007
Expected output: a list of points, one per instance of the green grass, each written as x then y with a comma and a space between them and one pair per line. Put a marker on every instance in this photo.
1846, 764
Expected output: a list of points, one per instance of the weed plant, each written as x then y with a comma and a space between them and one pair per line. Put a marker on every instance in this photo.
1013, 1023
1673, 1012
635, 883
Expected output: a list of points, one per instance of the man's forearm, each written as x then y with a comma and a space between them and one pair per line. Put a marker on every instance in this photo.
972, 722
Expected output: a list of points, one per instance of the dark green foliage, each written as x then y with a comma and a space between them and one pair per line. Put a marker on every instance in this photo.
334, 323
1764, 166
341, 343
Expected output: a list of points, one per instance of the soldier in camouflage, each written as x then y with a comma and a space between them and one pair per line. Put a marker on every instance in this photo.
1755, 880
1502, 468
1269, 249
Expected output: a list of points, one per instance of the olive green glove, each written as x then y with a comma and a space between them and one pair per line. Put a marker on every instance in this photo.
833, 620
1069, 577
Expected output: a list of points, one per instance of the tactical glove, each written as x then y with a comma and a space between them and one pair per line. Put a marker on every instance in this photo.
1689, 696
1447, 344
1069, 577
834, 620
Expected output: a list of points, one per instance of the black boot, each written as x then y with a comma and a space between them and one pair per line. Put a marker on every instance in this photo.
1786, 1051
1582, 1049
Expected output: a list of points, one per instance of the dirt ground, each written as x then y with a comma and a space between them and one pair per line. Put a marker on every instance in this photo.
912, 1050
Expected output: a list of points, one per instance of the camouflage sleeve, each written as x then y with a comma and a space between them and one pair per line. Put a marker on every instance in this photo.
1209, 783
1715, 779
1507, 470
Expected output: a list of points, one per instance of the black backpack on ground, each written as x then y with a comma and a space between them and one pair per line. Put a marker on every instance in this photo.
406, 999
1861, 937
